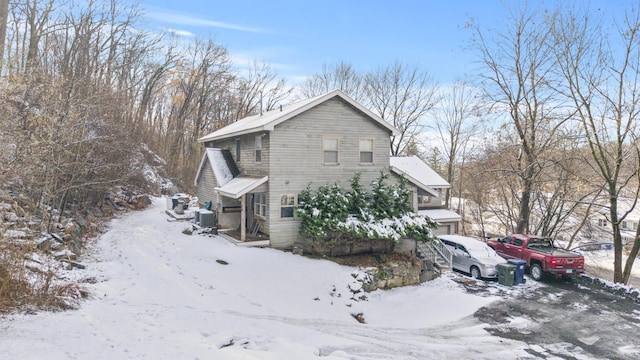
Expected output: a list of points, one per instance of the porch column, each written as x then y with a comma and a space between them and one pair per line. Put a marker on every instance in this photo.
243, 218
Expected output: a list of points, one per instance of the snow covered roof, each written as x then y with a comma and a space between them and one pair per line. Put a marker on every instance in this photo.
268, 120
230, 184
418, 173
222, 164
240, 186
441, 215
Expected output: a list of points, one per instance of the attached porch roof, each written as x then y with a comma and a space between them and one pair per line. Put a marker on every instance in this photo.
418, 173
225, 170
240, 185
441, 215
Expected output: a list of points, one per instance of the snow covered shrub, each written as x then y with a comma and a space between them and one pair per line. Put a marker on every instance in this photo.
390, 201
331, 214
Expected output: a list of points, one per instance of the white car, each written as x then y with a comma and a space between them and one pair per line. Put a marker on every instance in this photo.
472, 256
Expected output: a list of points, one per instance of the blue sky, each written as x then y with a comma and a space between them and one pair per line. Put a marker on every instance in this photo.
297, 37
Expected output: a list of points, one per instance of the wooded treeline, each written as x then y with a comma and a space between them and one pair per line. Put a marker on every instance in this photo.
83, 86
543, 135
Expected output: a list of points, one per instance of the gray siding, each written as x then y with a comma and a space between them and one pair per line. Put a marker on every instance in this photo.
206, 184
247, 163
292, 157
297, 160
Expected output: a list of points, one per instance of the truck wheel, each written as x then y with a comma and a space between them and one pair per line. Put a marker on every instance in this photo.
475, 272
536, 272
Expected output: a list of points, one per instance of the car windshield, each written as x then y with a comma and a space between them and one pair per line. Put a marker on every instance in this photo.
481, 250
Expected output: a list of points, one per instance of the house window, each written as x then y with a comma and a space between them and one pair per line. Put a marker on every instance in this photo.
237, 150
287, 206
624, 225
366, 151
330, 150
424, 200
602, 222
258, 148
260, 204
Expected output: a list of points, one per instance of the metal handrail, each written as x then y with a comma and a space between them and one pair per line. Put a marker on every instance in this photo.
443, 250
426, 251
437, 248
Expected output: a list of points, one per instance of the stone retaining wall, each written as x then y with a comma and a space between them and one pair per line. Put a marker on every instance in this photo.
365, 246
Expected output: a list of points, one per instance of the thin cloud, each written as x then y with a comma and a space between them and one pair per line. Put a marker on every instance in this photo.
178, 19
180, 32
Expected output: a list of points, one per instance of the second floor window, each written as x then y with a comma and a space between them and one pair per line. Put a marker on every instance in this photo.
237, 150
366, 151
258, 148
330, 150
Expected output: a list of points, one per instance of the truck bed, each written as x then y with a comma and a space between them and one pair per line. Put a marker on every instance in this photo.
557, 252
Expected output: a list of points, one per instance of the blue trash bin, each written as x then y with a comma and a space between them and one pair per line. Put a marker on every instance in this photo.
520, 266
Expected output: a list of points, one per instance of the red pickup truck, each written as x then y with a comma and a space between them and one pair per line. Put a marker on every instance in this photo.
540, 254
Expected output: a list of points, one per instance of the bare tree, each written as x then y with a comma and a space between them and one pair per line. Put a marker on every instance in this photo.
457, 122
519, 81
341, 76
4, 13
260, 90
601, 71
402, 95
37, 21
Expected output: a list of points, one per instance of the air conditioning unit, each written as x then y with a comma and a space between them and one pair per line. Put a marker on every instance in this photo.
207, 218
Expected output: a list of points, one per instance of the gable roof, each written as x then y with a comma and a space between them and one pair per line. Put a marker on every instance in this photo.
226, 172
268, 120
222, 164
418, 173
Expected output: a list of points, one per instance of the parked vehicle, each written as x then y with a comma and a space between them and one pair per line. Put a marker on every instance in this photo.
472, 256
540, 253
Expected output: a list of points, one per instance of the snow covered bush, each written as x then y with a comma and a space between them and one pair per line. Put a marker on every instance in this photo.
331, 214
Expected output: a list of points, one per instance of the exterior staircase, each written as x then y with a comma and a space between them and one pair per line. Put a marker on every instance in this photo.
435, 252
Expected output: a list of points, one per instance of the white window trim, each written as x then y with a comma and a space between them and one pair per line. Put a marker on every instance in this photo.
373, 146
337, 139
293, 207
258, 206
258, 147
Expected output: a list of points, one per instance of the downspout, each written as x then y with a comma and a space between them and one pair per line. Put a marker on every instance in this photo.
243, 218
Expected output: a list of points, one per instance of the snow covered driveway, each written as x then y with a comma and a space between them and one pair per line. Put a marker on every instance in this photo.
161, 294
577, 319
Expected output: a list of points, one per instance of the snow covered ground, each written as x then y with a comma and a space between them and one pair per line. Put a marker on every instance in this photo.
161, 294
604, 259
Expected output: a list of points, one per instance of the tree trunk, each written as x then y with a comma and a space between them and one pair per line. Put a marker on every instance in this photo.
4, 13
